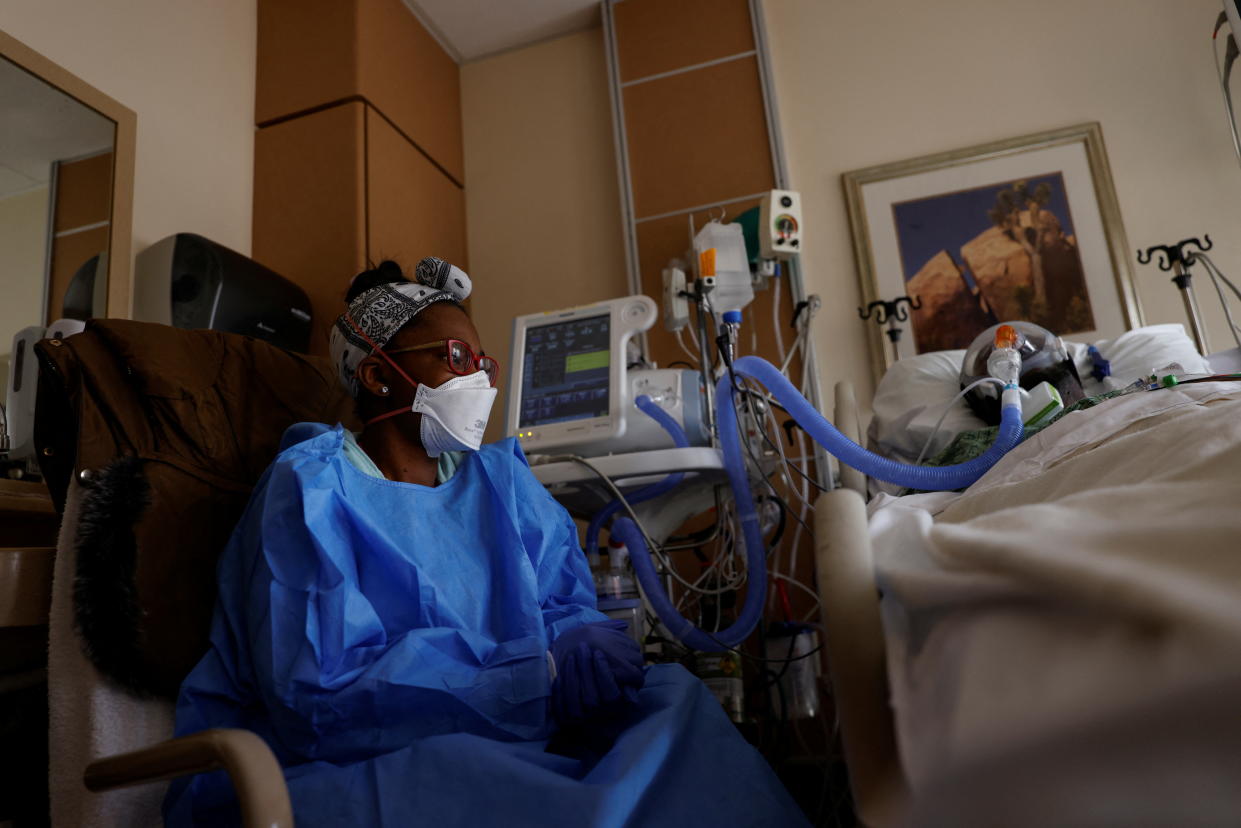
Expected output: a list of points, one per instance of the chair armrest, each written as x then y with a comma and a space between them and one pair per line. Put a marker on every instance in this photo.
250, 764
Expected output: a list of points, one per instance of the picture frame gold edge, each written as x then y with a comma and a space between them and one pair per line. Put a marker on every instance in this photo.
973, 154
1089, 133
865, 267
1113, 226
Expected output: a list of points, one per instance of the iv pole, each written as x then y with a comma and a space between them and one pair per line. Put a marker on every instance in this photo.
1178, 258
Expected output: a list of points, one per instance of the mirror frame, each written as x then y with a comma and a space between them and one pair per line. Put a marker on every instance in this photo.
120, 234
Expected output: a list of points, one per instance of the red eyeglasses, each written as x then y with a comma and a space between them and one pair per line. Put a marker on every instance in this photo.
460, 358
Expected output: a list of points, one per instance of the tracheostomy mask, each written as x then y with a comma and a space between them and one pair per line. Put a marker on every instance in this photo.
454, 413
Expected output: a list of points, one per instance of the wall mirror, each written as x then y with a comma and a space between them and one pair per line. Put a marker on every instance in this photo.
66, 193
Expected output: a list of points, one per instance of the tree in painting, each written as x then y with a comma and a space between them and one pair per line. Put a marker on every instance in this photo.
1010, 204
990, 254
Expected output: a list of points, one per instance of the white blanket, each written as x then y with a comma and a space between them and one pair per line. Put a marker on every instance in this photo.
1095, 570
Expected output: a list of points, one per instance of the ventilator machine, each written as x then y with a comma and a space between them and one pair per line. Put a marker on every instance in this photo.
641, 449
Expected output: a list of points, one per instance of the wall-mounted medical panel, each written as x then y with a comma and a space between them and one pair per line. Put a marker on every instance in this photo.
655, 36
694, 143
310, 206
315, 53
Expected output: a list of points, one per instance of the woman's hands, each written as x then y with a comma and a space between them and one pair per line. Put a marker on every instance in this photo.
598, 672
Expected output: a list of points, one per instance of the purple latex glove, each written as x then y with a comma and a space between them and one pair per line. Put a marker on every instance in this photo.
598, 671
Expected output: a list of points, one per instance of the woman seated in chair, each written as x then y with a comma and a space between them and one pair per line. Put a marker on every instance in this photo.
407, 619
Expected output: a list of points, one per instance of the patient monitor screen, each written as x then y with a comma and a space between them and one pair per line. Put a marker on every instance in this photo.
565, 371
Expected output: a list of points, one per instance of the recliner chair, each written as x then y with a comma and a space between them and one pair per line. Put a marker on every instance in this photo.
150, 439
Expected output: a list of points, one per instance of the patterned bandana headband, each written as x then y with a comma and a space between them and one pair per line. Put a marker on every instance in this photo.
377, 314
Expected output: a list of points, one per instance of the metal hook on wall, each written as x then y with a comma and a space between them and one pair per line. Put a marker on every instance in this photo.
889, 312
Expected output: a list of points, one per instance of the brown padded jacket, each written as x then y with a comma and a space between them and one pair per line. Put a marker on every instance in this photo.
167, 432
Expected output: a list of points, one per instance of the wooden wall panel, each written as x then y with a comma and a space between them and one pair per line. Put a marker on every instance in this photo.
405, 73
68, 254
310, 208
83, 192
660, 35
312, 53
306, 55
414, 209
697, 138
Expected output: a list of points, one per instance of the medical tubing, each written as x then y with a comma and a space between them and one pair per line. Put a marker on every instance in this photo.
922, 477
755, 548
670, 482
927, 478
948, 408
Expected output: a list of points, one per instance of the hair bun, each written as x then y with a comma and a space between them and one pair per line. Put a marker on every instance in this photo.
385, 273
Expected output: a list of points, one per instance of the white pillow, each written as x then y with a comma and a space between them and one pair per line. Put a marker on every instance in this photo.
910, 399
1147, 350
913, 393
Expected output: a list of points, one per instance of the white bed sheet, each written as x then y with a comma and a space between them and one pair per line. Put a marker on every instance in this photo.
1095, 569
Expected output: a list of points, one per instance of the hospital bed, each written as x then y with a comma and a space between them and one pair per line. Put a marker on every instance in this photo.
1059, 644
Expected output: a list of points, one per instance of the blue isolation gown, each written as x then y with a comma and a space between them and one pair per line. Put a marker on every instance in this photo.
389, 642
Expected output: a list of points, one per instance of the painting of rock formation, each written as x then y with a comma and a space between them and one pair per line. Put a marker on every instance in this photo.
1017, 259
951, 313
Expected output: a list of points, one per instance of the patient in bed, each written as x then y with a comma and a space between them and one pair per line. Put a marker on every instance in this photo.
1064, 637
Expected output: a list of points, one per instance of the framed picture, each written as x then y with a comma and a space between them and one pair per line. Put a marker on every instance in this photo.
1024, 229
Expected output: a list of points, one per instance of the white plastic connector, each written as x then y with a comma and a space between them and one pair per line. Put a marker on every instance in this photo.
676, 306
1005, 365
1011, 396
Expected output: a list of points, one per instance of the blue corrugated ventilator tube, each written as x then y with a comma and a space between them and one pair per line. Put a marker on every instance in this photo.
648, 406
817, 426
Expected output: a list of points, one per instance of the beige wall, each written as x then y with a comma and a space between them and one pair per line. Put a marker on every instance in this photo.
542, 205
863, 83
23, 255
187, 69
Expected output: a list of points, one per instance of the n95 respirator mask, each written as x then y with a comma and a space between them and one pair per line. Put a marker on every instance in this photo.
454, 414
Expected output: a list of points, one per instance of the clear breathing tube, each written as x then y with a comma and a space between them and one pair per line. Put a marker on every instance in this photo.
845, 450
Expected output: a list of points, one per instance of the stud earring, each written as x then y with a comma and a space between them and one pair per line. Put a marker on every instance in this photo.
383, 389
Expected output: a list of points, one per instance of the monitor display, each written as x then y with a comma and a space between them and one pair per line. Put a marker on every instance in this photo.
565, 371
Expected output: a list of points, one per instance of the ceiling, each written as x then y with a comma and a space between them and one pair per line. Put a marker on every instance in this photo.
41, 124
472, 29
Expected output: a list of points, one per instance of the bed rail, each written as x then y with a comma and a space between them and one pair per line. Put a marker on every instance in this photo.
847, 423
856, 656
